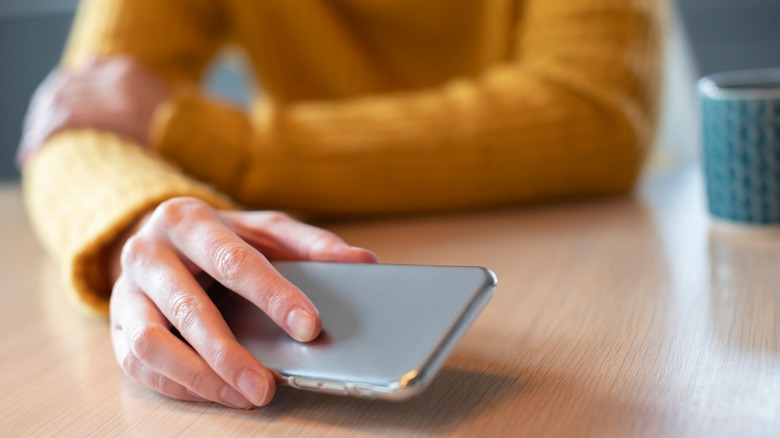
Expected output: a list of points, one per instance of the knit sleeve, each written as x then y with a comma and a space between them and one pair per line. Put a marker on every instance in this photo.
84, 187
173, 38
570, 113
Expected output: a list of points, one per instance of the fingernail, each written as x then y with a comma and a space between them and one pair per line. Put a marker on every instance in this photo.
233, 398
254, 386
302, 325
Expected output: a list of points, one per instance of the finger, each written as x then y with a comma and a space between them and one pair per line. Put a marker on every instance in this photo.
150, 354
23, 153
195, 229
175, 292
143, 375
122, 317
280, 237
50, 123
44, 96
36, 133
94, 61
62, 101
65, 93
41, 105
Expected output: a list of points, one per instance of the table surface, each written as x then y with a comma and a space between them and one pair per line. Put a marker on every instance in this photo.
618, 317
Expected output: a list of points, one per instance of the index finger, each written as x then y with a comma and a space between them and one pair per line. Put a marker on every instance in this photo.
196, 231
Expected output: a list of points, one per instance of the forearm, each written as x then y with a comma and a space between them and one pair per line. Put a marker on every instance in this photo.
494, 141
499, 140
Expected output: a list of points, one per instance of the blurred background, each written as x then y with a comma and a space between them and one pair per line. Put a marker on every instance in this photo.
704, 36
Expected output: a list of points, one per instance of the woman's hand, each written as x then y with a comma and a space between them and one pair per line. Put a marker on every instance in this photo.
115, 94
158, 290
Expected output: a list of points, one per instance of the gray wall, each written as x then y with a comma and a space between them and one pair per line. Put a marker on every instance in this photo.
30, 45
724, 34
732, 34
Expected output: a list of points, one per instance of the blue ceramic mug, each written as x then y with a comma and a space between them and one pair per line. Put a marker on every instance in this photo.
741, 129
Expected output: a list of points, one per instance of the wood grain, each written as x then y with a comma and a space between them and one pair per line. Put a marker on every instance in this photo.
616, 317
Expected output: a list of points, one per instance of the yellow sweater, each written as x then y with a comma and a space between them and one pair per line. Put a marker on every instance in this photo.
369, 107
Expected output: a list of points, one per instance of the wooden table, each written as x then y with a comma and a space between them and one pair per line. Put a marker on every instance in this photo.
619, 317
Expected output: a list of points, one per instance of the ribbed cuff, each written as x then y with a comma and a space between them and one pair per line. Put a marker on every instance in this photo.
83, 188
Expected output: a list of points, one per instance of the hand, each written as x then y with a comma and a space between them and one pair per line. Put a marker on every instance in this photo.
157, 290
115, 94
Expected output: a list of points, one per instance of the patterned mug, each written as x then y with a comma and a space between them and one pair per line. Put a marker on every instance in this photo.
741, 133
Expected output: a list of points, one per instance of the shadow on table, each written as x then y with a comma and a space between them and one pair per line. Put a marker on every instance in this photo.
454, 396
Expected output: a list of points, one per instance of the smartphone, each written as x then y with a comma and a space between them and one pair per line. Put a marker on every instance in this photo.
387, 329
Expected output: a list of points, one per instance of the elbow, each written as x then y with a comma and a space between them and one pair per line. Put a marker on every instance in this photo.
636, 121
622, 158
628, 149
626, 118
607, 128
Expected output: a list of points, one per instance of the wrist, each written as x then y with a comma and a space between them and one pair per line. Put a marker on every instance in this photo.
113, 252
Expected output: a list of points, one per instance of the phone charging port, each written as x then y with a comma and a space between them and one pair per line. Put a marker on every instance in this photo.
319, 385
363, 392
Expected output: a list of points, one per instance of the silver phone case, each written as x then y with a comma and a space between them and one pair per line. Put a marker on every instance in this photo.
387, 329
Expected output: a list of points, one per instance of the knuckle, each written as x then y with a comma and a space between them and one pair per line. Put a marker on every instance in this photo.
130, 365
274, 217
322, 237
198, 381
144, 339
135, 249
119, 293
230, 260
221, 358
57, 99
61, 107
173, 212
123, 64
160, 384
321, 240
185, 311
275, 300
